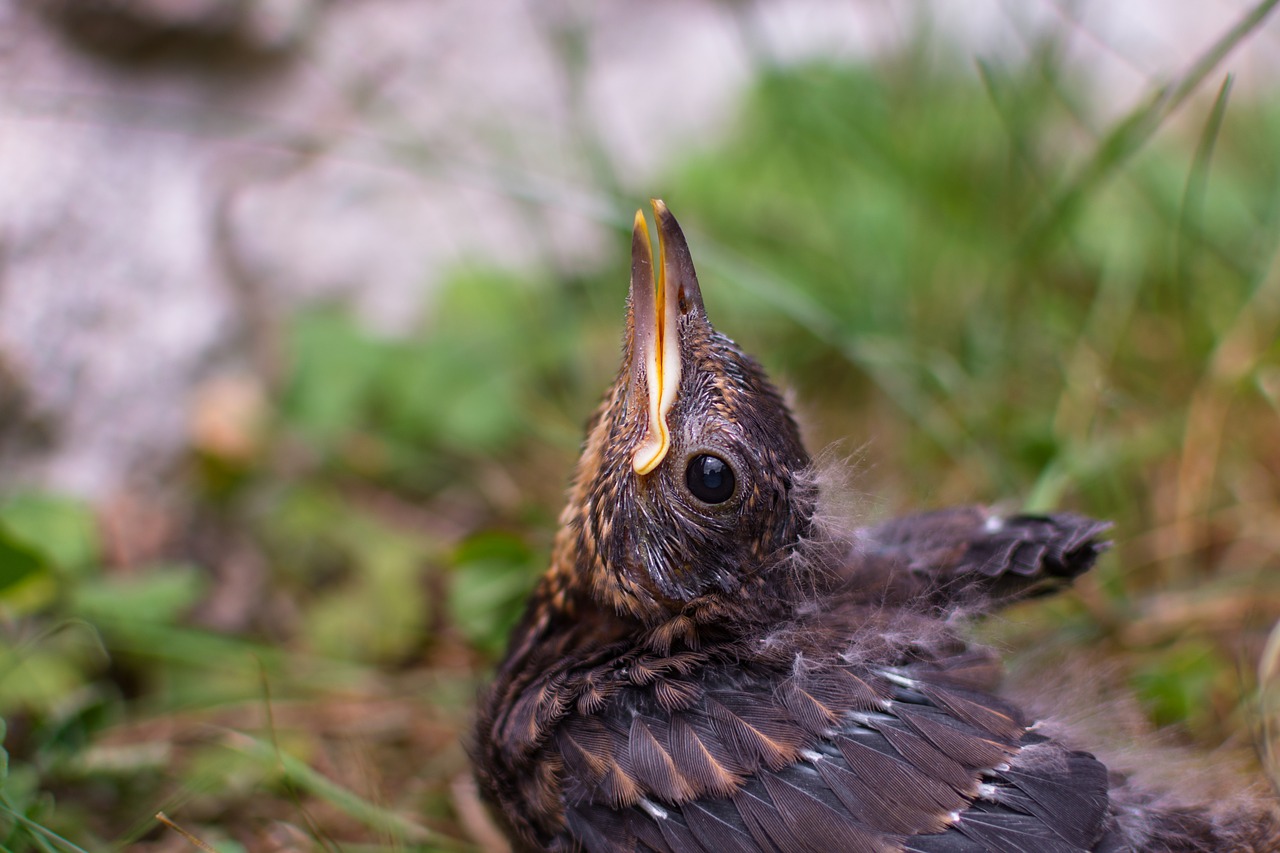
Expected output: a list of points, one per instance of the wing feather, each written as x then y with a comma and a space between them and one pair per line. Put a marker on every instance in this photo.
893, 792
702, 760
980, 710
821, 828
652, 765
716, 824
1073, 800
960, 743
756, 732
927, 758
1008, 832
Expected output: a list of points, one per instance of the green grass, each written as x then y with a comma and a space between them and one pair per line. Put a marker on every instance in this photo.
970, 281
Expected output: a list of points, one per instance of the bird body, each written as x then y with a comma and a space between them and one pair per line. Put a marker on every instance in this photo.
707, 666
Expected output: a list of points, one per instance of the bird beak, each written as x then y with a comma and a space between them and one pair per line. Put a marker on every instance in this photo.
656, 310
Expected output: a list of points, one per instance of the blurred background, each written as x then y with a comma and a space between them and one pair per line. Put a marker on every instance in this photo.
304, 304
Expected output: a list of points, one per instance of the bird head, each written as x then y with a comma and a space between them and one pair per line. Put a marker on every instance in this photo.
692, 486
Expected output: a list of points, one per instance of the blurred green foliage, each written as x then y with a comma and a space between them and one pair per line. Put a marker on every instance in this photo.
1003, 296
496, 351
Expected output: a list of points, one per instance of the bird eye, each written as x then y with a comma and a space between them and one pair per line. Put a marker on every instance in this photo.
710, 479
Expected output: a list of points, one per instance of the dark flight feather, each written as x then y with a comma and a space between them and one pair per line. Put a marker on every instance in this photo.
763, 821
706, 765
899, 787
652, 765
1070, 801
972, 558
756, 731
600, 830
986, 713
676, 836
948, 842
821, 827
717, 826
871, 807
954, 739
918, 752
1010, 832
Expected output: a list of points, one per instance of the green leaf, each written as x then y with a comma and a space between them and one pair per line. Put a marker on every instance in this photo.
1177, 684
379, 612
18, 560
159, 596
493, 573
335, 364
484, 413
62, 529
4, 755
37, 678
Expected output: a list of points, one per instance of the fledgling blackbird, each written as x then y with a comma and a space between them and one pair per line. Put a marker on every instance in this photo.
708, 666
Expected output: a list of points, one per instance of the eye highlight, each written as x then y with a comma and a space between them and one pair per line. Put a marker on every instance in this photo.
710, 479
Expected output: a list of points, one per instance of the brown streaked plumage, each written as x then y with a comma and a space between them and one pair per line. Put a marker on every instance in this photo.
706, 667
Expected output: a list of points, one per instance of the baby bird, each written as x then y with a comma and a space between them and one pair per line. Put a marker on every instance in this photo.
706, 666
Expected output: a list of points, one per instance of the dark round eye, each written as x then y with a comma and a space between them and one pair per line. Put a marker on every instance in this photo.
710, 479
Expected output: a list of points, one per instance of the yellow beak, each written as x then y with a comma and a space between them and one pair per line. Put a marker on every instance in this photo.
656, 309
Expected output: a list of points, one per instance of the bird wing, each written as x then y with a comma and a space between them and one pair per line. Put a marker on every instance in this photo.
840, 758
971, 557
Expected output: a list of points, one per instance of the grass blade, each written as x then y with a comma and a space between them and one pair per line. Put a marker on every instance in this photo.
1133, 131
